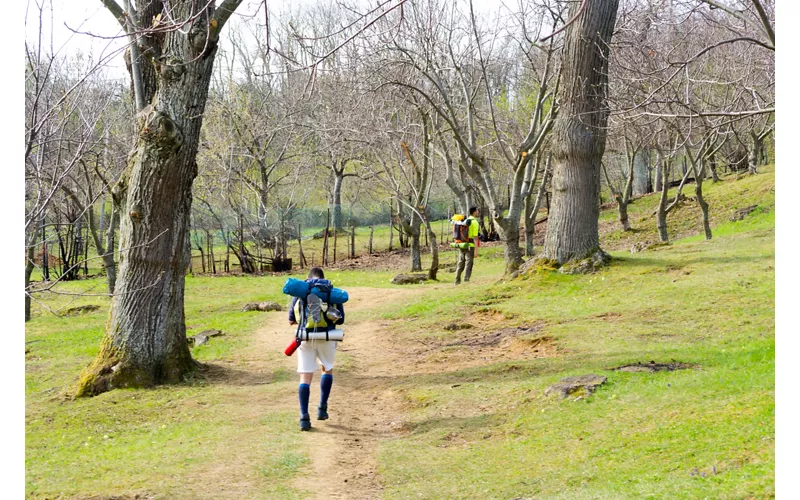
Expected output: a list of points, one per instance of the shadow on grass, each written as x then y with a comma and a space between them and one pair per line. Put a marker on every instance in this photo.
682, 262
220, 374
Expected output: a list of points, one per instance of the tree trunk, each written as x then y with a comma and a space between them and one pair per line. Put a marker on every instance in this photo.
212, 262
371, 232
530, 225
338, 179
335, 243
579, 135
712, 167
29, 253
642, 183
416, 260
434, 269
391, 227
698, 192
753, 153
658, 175
145, 340
202, 257
509, 232
764, 155
622, 208
661, 213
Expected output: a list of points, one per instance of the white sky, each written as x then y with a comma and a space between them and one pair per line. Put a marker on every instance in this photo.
72, 24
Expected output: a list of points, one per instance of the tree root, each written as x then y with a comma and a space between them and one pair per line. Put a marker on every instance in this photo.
108, 371
594, 260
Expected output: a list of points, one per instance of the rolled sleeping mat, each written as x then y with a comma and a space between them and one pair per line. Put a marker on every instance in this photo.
335, 334
301, 289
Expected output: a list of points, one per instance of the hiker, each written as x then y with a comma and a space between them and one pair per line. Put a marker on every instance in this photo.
466, 252
311, 351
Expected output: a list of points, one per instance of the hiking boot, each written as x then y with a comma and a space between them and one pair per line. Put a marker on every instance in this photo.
322, 413
305, 423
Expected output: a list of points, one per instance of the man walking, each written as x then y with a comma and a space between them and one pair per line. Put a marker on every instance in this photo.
466, 251
312, 351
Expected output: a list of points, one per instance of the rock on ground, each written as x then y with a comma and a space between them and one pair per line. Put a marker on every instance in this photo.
408, 279
585, 384
262, 306
742, 213
202, 337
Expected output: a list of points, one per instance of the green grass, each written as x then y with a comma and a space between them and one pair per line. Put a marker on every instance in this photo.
479, 432
641, 435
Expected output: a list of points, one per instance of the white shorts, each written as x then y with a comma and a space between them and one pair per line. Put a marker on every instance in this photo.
312, 350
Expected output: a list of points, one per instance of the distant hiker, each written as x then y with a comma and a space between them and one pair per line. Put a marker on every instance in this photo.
312, 351
466, 244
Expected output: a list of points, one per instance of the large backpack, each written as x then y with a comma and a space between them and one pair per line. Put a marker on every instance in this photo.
313, 314
461, 229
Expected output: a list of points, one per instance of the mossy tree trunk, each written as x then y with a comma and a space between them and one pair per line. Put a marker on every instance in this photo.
579, 135
145, 339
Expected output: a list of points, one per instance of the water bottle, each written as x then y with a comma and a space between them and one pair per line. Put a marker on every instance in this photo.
293, 345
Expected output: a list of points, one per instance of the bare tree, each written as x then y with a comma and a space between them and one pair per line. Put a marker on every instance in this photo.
461, 74
145, 341
60, 134
579, 134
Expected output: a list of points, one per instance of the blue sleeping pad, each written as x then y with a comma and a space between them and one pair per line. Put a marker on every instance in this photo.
319, 287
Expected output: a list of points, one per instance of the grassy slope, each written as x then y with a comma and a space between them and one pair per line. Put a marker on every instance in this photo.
495, 435
148, 440
640, 435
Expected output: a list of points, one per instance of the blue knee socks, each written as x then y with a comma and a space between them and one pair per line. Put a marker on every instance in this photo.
303, 392
325, 384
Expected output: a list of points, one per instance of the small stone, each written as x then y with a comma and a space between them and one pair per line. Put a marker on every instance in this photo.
571, 385
409, 279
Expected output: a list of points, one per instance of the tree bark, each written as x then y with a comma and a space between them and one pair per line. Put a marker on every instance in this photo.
509, 233
391, 227
29, 254
753, 156
338, 179
145, 340
698, 192
416, 260
712, 167
661, 213
658, 174
579, 135
434, 269
642, 183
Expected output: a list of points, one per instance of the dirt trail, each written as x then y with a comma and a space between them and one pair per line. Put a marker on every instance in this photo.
343, 462
364, 406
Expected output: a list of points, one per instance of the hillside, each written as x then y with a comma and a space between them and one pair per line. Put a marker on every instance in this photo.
440, 390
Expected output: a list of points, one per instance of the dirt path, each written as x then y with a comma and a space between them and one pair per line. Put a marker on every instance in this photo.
343, 449
365, 407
